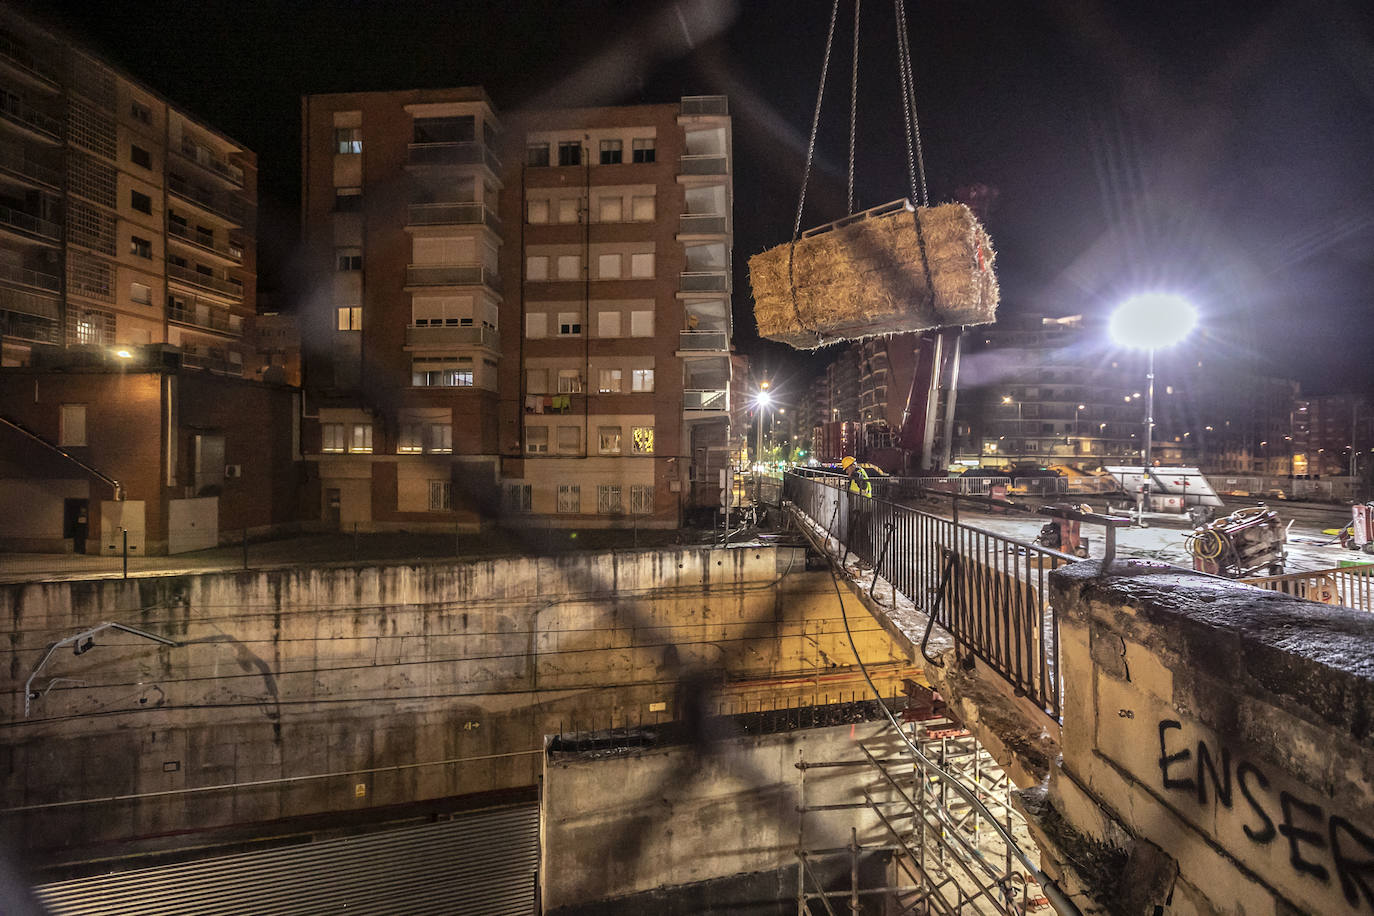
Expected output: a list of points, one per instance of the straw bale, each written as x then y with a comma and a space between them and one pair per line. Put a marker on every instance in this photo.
865, 278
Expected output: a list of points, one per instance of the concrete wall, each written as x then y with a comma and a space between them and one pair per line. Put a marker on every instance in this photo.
409, 681
1217, 746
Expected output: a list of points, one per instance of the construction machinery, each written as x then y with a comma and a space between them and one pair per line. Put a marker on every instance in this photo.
1359, 534
1248, 542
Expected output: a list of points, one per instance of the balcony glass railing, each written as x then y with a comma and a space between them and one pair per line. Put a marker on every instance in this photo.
706, 164
226, 286
470, 152
13, 160
30, 224
452, 275
453, 214
24, 114
438, 335
701, 224
702, 281
206, 241
703, 340
706, 399
705, 105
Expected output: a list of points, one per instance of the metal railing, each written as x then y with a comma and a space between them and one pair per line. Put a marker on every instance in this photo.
453, 214
467, 152
205, 241
703, 340
196, 359
24, 60
1345, 586
702, 164
25, 115
705, 105
223, 205
702, 281
701, 224
231, 288
206, 159
452, 275
1325, 489
27, 222
706, 399
13, 160
23, 276
210, 319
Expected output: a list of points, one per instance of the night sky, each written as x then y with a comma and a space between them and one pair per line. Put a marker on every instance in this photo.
1222, 150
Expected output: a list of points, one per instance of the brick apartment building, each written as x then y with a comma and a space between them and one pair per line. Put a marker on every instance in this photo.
523, 321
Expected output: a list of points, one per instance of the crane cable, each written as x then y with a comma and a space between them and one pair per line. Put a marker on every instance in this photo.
915, 155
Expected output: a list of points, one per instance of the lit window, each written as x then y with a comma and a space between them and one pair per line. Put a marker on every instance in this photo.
440, 496
642, 499
567, 210
643, 149
569, 438
569, 152
642, 380
412, 439
642, 324
537, 267
536, 325
350, 318
569, 381
609, 381
348, 140
642, 209
608, 267
333, 437
607, 324
643, 440
360, 438
538, 211
72, 425
612, 152
569, 324
609, 437
642, 265
569, 497
537, 440
610, 210
537, 154
440, 438
608, 499
441, 372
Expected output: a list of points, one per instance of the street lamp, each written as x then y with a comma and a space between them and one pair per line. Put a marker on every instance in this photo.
1147, 322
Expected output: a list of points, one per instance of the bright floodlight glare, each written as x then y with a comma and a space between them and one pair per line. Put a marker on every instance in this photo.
1152, 321
765, 398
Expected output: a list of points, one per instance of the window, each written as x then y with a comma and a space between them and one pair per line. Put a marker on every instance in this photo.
642, 324
569, 381
569, 324
333, 437
439, 438
537, 154
537, 440
642, 499
569, 438
642, 439
608, 381
567, 210
612, 152
642, 380
569, 267
642, 209
607, 324
1032, 446
440, 496
569, 497
518, 497
140, 112
141, 293
450, 129
610, 210
348, 200
536, 325
412, 440
608, 267
350, 318
537, 267
538, 211
642, 265
140, 247
569, 152
348, 140
441, 372
608, 499
360, 438
610, 440
72, 425
140, 201
643, 149
349, 259
140, 157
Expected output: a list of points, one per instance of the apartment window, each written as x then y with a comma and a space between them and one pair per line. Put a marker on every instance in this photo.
643, 149
518, 497
441, 372
451, 129
612, 152
333, 437
141, 293
609, 437
537, 267
536, 381
536, 325
642, 265
140, 247
140, 201
439, 438
569, 497
569, 267
72, 425
567, 210
610, 210
349, 259
608, 381
642, 440
360, 438
348, 200
642, 209
642, 380
608, 267
607, 324
348, 141
569, 324
537, 440
350, 318
569, 438
538, 211
642, 323
570, 152
608, 499
140, 157
140, 112
642, 499
537, 154
412, 441
569, 381
440, 496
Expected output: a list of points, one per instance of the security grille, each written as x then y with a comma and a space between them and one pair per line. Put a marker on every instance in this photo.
92, 180
90, 276
90, 228
90, 130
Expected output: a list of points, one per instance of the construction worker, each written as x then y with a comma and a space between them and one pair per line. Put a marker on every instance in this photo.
858, 477
857, 517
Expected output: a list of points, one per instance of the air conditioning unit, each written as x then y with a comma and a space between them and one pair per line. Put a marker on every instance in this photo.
233, 471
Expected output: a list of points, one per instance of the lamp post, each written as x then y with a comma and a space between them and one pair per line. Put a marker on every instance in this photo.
761, 402
1147, 322
1008, 399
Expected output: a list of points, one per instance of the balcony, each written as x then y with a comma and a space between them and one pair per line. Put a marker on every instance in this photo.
17, 111
206, 242
207, 318
703, 340
29, 225
701, 224
470, 152
22, 276
207, 160
453, 214
706, 399
13, 162
707, 164
14, 301
18, 326
223, 205
430, 337
702, 281
210, 361
452, 275
699, 105
224, 286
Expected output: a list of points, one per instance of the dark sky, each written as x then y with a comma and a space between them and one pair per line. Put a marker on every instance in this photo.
1219, 149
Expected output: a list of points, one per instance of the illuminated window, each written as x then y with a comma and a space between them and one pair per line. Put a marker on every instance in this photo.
569, 381
643, 440
642, 380
439, 438
441, 372
350, 318
608, 381
348, 140
412, 439
333, 437
360, 438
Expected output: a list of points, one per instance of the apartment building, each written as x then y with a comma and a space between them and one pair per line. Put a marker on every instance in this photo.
525, 321
123, 219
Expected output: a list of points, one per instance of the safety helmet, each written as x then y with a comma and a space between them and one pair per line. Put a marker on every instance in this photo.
845, 462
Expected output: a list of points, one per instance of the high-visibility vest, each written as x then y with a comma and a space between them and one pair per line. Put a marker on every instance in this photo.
859, 482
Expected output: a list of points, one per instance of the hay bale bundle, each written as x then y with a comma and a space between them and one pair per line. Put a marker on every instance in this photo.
863, 276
